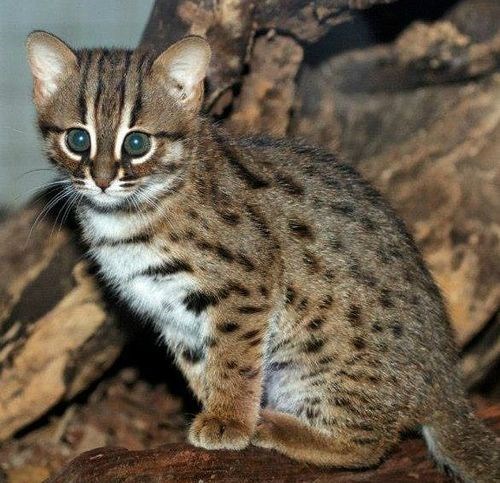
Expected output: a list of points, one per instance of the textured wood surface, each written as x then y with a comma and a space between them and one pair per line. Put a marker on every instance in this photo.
424, 128
55, 335
182, 463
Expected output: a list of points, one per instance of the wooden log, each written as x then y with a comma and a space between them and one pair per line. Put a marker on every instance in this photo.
230, 27
409, 462
56, 337
427, 134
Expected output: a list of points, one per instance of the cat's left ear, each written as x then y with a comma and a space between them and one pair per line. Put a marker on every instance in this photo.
51, 61
183, 66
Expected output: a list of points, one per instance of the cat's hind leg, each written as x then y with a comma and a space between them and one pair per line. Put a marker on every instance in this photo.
340, 447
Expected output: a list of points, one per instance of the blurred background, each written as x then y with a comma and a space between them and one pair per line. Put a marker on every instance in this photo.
81, 24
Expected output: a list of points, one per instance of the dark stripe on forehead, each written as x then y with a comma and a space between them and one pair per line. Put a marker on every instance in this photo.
123, 82
141, 65
82, 104
100, 82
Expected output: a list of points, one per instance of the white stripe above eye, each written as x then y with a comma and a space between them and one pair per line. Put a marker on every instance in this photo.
121, 134
122, 131
92, 132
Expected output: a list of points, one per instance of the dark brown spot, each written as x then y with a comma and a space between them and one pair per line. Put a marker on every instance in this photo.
290, 295
300, 229
250, 334
386, 299
210, 341
376, 327
289, 184
255, 342
358, 343
251, 179
368, 224
224, 253
315, 324
249, 372
365, 441
249, 309
197, 302
303, 304
165, 269
193, 355
227, 327
231, 365
174, 237
313, 345
264, 291
279, 366
354, 315
326, 302
397, 330
326, 360
259, 221
336, 244
204, 245
311, 261
230, 218
312, 413
343, 208
238, 288
247, 264
329, 275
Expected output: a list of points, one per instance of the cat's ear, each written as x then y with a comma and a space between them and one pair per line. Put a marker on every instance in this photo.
184, 66
51, 61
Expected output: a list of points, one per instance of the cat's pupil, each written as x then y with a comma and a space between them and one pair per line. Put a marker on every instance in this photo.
137, 144
78, 140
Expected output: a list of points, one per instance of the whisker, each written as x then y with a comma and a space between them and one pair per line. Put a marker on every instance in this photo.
46, 209
35, 171
62, 210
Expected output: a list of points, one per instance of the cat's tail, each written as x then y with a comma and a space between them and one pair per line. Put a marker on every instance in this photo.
462, 444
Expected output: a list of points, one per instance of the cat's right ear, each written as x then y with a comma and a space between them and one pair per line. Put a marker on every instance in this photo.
182, 68
51, 61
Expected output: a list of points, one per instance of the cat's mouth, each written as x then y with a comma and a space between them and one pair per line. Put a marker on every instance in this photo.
113, 194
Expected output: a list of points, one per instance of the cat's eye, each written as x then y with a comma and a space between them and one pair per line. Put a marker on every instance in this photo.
137, 144
78, 140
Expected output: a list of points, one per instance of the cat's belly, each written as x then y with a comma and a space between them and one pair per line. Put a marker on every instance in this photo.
156, 296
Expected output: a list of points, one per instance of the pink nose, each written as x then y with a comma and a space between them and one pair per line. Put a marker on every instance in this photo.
103, 183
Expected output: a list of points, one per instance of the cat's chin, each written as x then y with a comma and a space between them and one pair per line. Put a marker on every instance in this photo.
107, 202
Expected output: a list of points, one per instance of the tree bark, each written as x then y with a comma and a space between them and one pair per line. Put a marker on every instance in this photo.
56, 336
410, 462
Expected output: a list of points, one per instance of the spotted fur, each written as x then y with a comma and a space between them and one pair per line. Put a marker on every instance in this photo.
291, 295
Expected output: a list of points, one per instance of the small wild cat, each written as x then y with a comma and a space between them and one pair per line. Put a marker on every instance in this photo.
290, 294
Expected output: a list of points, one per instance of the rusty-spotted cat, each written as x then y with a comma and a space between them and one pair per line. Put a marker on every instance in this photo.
292, 297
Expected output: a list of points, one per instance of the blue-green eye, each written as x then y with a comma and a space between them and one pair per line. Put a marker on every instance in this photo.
136, 144
78, 140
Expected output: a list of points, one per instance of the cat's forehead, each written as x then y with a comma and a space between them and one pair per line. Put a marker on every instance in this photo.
111, 88
110, 85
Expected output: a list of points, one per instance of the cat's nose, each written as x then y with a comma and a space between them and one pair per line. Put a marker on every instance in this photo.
102, 183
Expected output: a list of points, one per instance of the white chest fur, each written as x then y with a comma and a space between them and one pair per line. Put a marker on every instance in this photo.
125, 266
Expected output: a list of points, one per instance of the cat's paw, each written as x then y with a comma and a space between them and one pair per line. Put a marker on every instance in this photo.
212, 432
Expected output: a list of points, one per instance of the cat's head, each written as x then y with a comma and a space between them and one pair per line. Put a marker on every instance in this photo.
117, 122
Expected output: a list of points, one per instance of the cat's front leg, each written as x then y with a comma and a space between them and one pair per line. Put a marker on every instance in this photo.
232, 382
